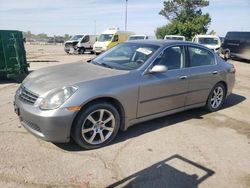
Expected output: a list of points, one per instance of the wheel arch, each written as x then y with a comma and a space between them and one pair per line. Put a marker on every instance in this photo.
225, 85
208, 98
116, 103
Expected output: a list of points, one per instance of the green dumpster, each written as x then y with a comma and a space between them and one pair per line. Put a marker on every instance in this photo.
13, 63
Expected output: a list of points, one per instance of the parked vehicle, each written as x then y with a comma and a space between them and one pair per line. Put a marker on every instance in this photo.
210, 41
222, 39
110, 38
140, 37
236, 44
133, 82
13, 63
86, 43
174, 37
70, 45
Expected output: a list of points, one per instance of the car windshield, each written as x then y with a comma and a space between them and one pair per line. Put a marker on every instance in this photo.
136, 38
76, 37
105, 37
126, 56
211, 41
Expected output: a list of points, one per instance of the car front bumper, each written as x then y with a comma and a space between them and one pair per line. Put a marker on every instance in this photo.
49, 125
99, 50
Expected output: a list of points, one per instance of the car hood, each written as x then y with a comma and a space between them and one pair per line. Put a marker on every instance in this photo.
46, 79
71, 41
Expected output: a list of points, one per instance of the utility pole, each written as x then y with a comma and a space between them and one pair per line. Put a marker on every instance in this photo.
126, 14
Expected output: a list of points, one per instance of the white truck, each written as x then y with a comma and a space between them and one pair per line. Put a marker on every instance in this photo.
174, 37
210, 41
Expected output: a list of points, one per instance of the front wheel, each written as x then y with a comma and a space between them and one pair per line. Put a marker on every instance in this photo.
216, 98
81, 50
96, 126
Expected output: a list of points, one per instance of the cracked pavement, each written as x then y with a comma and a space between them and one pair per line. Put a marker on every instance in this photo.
188, 149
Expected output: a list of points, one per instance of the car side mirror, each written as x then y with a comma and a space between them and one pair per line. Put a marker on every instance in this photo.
158, 69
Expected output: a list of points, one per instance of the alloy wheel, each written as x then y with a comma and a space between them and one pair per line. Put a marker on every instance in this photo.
98, 126
217, 97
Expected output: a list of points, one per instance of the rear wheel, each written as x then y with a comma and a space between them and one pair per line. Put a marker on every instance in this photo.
96, 126
227, 55
216, 97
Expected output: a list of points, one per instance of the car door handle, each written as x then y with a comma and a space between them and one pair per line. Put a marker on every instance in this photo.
215, 72
183, 77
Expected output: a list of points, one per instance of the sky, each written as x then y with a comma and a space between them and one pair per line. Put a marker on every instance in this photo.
58, 17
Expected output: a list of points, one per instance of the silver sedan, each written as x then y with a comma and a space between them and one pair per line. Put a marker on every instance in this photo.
130, 83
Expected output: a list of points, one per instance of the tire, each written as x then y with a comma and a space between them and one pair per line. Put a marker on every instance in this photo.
227, 55
96, 133
82, 50
216, 98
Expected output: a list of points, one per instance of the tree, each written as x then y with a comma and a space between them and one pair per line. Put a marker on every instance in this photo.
42, 36
185, 18
66, 37
28, 35
212, 32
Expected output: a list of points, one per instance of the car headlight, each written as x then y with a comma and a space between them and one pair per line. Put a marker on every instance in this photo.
56, 98
19, 90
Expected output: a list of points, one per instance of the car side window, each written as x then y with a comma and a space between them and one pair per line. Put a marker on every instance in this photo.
172, 58
85, 39
200, 57
116, 38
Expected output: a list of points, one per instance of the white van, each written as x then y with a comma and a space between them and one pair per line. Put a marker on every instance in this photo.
70, 45
174, 37
210, 41
110, 38
86, 43
138, 37
80, 43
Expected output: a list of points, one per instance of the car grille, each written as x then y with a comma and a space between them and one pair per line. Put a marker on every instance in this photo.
27, 96
32, 125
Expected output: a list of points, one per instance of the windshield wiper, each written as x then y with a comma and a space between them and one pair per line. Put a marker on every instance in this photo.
102, 64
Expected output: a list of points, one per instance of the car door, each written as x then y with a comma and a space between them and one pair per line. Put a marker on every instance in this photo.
202, 74
85, 41
161, 92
